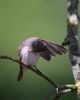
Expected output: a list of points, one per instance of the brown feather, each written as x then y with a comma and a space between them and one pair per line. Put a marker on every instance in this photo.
59, 47
54, 48
46, 55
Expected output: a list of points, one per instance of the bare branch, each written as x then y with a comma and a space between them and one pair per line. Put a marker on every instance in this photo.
32, 69
58, 96
59, 90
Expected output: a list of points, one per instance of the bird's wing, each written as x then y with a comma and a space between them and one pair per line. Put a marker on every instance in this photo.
46, 55
47, 48
54, 48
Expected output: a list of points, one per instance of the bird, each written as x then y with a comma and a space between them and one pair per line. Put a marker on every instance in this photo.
31, 49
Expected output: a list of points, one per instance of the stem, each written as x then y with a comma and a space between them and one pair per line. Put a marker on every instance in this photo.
58, 96
51, 93
32, 69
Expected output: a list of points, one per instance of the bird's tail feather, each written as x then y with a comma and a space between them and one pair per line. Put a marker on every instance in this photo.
20, 75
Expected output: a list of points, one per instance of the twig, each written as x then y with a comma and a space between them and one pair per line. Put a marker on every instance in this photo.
32, 69
63, 89
47, 97
58, 96
60, 90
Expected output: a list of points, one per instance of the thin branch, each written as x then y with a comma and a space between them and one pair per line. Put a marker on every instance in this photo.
58, 96
51, 93
32, 69
60, 90
63, 89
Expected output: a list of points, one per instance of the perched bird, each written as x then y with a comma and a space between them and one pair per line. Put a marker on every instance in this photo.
33, 48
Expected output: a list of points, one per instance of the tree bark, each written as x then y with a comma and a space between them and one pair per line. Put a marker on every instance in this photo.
72, 40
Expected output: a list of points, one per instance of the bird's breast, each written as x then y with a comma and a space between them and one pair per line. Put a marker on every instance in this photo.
29, 57
33, 58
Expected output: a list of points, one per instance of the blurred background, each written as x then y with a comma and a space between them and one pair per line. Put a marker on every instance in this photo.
21, 19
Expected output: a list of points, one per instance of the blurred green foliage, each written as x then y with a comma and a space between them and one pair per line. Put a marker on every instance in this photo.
21, 19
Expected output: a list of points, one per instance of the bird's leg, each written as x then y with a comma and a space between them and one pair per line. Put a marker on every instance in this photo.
38, 70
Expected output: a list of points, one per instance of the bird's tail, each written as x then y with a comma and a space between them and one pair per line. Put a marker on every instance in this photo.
20, 75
